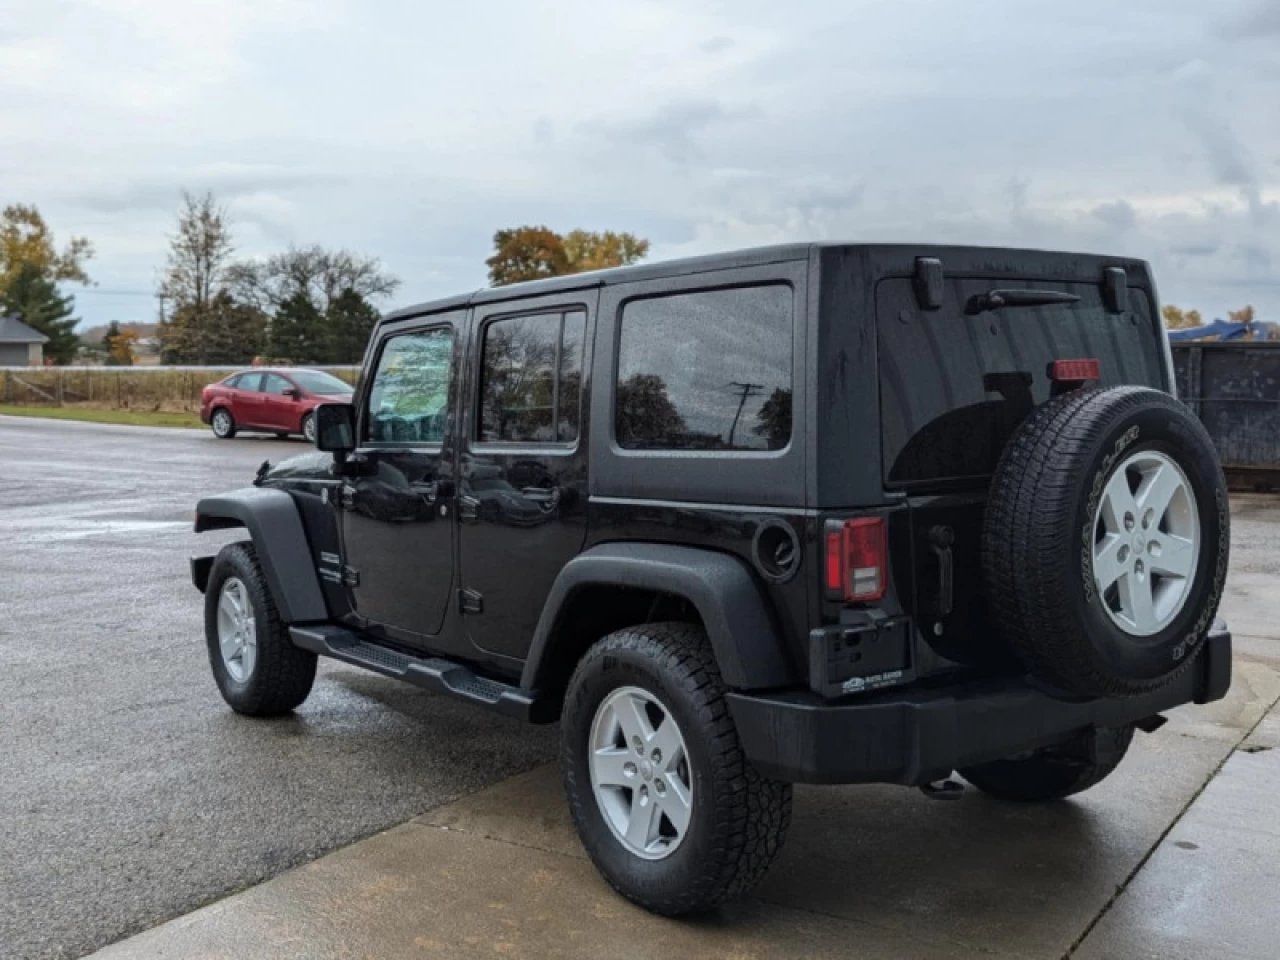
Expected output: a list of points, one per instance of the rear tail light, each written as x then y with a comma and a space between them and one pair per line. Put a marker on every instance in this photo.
1074, 371
857, 556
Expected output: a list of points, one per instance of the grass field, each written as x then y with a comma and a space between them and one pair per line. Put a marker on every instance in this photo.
134, 418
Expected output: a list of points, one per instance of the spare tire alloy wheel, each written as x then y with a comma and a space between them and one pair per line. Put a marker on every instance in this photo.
1147, 543
1106, 540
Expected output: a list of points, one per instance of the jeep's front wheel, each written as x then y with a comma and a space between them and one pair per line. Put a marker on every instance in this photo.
663, 798
256, 666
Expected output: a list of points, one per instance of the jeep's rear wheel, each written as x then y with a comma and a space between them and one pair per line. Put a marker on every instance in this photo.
663, 798
1054, 773
256, 666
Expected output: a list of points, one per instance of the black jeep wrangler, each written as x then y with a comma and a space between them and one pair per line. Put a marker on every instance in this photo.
814, 513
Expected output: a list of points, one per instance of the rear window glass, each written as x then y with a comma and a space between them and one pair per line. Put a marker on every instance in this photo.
955, 386
706, 370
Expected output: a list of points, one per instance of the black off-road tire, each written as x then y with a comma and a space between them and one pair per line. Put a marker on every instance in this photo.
283, 674
739, 818
1038, 535
1054, 772
228, 433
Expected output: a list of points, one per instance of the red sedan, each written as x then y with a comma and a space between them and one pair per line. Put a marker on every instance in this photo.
270, 400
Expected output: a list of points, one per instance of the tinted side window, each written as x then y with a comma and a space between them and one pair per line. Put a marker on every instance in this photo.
709, 370
233, 382
248, 381
531, 378
273, 383
409, 395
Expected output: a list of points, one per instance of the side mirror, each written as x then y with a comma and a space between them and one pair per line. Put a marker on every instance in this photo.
293, 393
335, 428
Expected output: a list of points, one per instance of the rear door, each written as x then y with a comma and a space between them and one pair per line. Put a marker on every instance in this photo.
955, 383
523, 498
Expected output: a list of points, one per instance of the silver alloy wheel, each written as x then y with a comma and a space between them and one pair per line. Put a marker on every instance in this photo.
237, 630
1146, 543
640, 773
221, 423
309, 427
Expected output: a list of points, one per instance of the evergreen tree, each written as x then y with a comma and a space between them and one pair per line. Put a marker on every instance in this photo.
298, 332
349, 322
221, 332
33, 296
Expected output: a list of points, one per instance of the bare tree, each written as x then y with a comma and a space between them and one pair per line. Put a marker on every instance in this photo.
199, 254
318, 274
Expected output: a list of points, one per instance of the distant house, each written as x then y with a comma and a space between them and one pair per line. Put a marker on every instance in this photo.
20, 346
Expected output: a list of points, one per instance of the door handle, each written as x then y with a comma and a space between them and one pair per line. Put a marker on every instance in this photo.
547, 499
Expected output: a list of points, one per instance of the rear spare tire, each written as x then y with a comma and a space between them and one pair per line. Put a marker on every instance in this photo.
1105, 541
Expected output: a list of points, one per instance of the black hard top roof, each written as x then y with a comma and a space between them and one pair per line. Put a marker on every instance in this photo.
755, 256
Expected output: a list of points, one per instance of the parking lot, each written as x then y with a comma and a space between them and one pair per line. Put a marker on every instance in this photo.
130, 795
129, 792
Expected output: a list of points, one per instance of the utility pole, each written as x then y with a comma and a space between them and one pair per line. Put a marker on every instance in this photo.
748, 390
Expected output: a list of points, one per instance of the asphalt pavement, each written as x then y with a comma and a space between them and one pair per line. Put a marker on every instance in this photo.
129, 793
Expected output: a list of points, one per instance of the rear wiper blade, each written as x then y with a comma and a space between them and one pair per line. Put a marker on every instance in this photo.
997, 299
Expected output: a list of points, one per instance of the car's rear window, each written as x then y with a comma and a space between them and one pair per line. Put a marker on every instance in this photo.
954, 386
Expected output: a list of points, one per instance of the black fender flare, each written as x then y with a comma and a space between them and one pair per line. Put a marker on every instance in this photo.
275, 526
748, 646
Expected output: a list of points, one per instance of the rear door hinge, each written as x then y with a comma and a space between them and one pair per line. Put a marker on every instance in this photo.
470, 601
350, 576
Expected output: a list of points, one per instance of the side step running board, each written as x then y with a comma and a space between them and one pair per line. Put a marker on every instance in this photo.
430, 673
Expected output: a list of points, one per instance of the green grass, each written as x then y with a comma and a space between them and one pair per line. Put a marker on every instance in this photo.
134, 418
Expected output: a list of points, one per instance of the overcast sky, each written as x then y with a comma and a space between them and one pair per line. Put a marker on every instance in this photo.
411, 131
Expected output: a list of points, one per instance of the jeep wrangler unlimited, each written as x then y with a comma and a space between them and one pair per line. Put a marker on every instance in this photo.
814, 513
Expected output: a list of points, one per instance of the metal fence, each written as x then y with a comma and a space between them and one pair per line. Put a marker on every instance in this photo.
120, 388
1234, 388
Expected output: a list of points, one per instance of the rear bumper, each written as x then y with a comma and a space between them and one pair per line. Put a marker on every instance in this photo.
915, 736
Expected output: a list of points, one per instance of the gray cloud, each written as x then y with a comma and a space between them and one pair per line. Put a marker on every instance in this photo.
1258, 21
1118, 213
412, 133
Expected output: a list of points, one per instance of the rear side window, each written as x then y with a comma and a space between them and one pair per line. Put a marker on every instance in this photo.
706, 370
531, 378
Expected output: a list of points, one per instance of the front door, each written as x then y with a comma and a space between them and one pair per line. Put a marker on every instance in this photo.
522, 502
397, 527
279, 409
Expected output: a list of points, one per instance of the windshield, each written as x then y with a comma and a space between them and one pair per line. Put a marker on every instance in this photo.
316, 381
